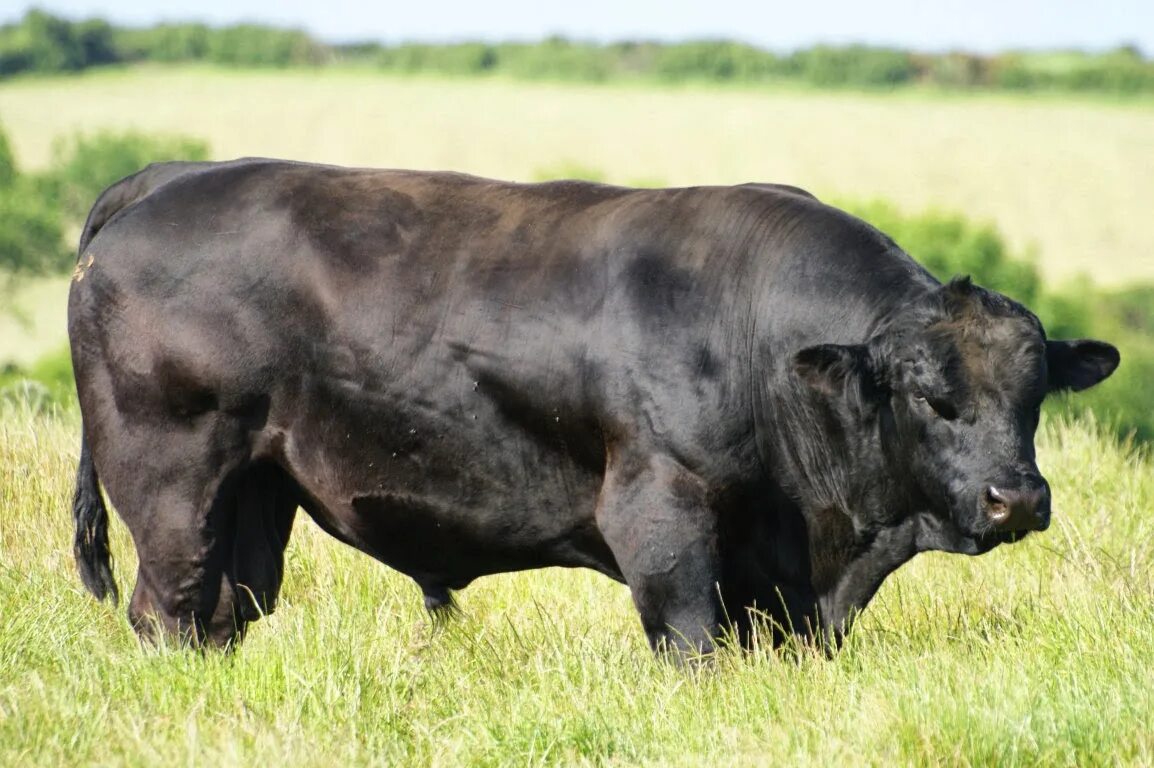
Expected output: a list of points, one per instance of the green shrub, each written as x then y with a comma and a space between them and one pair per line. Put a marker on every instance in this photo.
8, 170
31, 230
31, 233
954, 70
720, 60
1124, 317
35, 210
83, 166
253, 45
45, 385
41, 42
555, 58
857, 65
164, 42
456, 59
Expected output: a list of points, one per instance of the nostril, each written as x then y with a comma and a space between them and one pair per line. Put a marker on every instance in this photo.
1017, 509
997, 505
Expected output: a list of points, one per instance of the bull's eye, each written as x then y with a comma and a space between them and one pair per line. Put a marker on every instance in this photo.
942, 408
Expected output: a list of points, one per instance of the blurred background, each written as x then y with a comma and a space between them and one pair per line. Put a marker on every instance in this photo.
1013, 142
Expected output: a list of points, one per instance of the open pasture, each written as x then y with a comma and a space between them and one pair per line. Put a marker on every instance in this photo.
1036, 654
1072, 178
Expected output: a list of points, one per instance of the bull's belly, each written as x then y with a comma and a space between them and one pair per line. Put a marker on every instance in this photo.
445, 499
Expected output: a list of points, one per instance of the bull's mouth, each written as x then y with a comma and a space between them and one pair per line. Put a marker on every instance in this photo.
990, 539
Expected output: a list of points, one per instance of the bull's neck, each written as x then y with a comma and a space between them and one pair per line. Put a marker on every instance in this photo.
860, 518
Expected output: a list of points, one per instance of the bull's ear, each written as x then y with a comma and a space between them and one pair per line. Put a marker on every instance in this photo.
1079, 364
826, 367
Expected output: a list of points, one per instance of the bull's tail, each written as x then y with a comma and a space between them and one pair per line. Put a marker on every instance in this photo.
89, 513
93, 558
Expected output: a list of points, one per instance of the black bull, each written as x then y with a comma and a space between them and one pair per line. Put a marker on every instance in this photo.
737, 400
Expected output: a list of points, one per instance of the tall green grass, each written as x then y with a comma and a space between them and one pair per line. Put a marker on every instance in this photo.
1038, 653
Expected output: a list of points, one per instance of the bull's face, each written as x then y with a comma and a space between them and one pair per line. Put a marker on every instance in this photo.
956, 386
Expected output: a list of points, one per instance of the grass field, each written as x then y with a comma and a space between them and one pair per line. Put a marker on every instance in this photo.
1073, 178
1036, 654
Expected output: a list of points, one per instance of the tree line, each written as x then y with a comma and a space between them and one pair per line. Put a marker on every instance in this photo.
43, 43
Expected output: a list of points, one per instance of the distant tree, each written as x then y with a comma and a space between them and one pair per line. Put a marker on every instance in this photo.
96, 39
164, 42
721, 60
253, 45
41, 42
854, 65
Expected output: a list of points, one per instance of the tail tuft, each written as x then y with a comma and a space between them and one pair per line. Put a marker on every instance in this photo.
93, 558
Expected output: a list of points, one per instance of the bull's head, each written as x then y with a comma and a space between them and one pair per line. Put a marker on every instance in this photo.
954, 386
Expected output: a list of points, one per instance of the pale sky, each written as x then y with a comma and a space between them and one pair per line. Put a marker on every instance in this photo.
976, 25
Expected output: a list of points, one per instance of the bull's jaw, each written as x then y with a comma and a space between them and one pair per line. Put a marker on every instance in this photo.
938, 534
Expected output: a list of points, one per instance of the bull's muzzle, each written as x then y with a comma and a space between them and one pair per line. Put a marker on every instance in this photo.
1026, 508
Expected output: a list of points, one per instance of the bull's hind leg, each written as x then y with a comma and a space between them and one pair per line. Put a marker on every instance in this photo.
209, 527
212, 562
180, 523
655, 518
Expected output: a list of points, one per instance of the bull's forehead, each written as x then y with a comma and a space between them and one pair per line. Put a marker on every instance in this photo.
995, 355
967, 344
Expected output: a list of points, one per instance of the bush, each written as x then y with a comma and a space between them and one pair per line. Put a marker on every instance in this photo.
458, 59
8, 170
720, 60
35, 209
1124, 317
253, 45
954, 70
166, 43
83, 166
854, 65
45, 385
31, 232
40, 43
555, 59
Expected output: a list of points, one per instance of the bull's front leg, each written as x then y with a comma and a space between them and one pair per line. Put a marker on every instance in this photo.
653, 514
